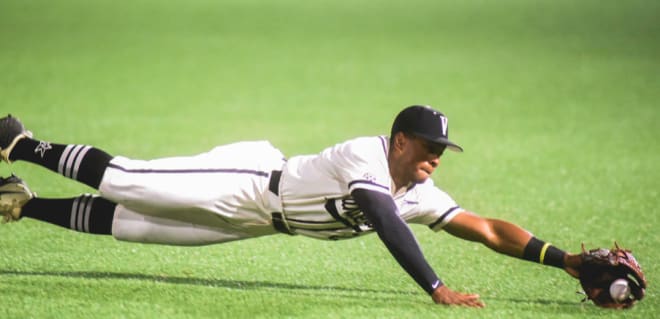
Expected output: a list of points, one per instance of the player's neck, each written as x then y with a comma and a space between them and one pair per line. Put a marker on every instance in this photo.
397, 181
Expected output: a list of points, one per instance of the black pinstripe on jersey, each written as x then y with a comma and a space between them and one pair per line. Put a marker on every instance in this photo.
189, 170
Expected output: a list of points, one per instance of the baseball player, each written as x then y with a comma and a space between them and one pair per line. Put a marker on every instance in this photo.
249, 189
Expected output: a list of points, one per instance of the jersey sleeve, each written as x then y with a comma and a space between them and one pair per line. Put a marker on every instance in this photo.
361, 164
433, 208
381, 210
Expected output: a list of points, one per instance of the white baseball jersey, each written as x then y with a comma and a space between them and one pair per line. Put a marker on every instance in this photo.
224, 195
315, 191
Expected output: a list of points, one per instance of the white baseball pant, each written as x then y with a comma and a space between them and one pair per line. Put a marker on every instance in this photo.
214, 197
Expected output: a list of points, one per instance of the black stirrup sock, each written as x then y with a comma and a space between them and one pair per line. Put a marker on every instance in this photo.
85, 164
85, 213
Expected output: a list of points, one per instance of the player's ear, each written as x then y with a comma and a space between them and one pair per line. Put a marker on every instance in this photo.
400, 140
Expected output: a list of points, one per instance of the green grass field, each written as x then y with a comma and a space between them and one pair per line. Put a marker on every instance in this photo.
555, 102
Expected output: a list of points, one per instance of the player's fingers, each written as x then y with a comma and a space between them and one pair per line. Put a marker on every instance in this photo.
472, 303
476, 303
472, 300
448, 297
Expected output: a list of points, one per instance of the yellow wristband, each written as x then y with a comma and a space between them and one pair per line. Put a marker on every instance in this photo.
543, 250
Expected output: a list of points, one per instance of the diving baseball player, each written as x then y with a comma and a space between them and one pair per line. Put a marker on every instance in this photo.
249, 189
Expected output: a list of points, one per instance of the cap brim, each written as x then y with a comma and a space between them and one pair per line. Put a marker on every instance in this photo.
441, 140
455, 147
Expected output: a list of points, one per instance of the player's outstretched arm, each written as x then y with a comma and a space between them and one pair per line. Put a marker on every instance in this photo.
381, 211
512, 240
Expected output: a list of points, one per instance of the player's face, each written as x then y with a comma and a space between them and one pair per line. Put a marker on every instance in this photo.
419, 159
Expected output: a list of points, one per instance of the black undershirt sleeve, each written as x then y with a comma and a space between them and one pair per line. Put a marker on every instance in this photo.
381, 211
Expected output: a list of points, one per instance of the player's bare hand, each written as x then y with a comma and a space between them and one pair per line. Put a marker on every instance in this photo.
445, 296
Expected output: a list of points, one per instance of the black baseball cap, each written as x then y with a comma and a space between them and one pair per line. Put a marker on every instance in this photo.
425, 122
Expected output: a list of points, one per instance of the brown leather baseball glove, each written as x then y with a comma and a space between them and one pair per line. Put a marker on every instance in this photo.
601, 267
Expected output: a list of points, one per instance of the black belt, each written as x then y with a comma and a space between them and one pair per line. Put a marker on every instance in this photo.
279, 224
274, 183
279, 221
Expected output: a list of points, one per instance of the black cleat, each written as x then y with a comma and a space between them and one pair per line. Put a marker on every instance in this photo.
11, 131
14, 193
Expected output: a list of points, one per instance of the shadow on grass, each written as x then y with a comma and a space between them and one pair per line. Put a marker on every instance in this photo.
206, 282
257, 285
572, 308
541, 302
241, 284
